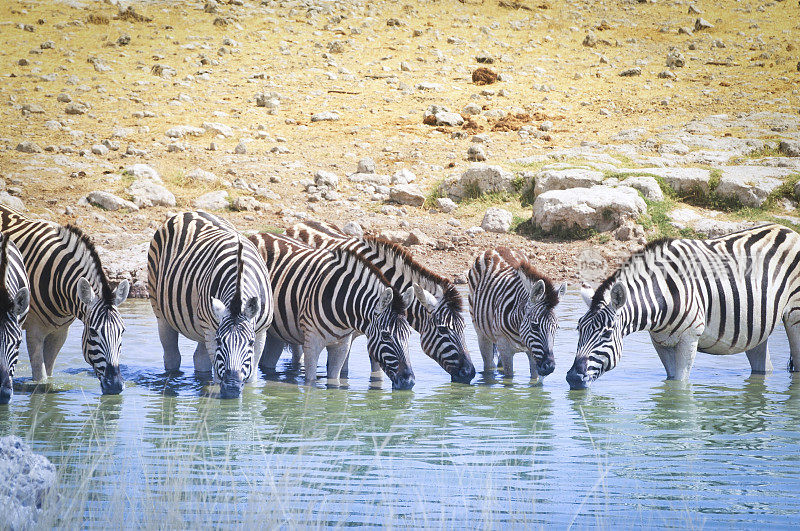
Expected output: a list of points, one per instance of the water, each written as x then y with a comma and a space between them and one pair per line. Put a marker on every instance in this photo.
632, 451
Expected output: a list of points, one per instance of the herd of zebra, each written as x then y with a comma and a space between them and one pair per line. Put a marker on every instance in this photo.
245, 299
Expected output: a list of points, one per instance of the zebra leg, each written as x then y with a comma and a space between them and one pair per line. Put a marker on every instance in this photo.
337, 354
169, 342
52, 346
273, 348
35, 343
760, 363
297, 354
486, 346
311, 350
506, 351
686, 350
258, 348
202, 360
667, 356
793, 332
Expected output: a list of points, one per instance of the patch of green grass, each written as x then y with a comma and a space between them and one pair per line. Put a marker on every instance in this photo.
435, 193
657, 223
530, 230
765, 151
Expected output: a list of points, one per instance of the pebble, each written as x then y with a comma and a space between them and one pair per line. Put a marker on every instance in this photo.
325, 116
29, 147
476, 153
635, 71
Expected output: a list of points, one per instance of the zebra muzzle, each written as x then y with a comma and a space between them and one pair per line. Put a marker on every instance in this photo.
465, 373
231, 385
403, 380
111, 381
577, 381
6, 387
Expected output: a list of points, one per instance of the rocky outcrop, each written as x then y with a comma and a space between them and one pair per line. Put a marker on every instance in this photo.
478, 179
599, 207
27, 480
545, 181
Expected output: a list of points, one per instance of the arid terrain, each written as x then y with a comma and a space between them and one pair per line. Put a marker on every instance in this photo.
261, 96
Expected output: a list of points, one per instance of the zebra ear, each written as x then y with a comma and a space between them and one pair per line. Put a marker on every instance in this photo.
537, 291
251, 308
385, 300
86, 293
408, 297
562, 290
618, 296
587, 294
219, 308
21, 301
425, 298
121, 293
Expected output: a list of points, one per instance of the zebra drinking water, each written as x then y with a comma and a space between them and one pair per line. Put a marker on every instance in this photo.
325, 296
67, 281
719, 296
207, 282
512, 307
435, 311
14, 301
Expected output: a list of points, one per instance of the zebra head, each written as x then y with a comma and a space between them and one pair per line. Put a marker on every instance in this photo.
13, 310
599, 337
387, 334
235, 340
539, 323
102, 332
442, 333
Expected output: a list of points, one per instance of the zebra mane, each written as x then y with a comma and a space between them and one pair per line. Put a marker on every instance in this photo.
600, 292
451, 296
5, 298
521, 263
328, 229
236, 303
71, 231
339, 253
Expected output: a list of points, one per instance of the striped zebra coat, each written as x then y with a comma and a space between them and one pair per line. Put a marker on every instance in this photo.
435, 311
67, 281
323, 297
721, 296
208, 283
513, 310
14, 301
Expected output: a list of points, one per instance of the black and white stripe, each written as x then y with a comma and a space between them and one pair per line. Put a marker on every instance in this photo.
512, 307
14, 301
435, 311
67, 281
208, 283
323, 297
721, 296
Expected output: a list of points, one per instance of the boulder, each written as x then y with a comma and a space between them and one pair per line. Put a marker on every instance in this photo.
452, 119
27, 480
480, 178
599, 207
218, 128
417, 237
143, 171
148, 193
648, 186
445, 204
325, 116
179, 131
497, 220
247, 203
545, 181
109, 201
326, 179
684, 180
790, 148
366, 165
199, 174
407, 194
750, 185
403, 176
212, 200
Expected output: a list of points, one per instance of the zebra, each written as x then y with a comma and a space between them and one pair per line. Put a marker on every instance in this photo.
436, 310
208, 283
14, 302
325, 297
512, 307
67, 282
720, 296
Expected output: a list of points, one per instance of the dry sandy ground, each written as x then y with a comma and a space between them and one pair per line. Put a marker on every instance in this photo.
348, 57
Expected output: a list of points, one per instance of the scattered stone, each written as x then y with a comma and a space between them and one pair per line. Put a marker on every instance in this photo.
10, 201
216, 200
667, 74
352, 228
240, 149
685, 30
143, 171
148, 193
797, 190
403, 176
326, 179
325, 116
790, 148
472, 231
123, 40
407, 194
713, 228
702, 24
630, 72
648, 186
32, 108
750, 185
452, 119
484, 58
590, 40
29, 147
76, 108
395, 236
545, 181
445, 204
685, 180
675, 59
497, 220
417, 237
28, 478
180, 131
99, 149
218, 128
483, 76
247, 203
366, 165
199, 174
270, 100
478, 179
599, 207
476, 153
164, 71
629, 231
109, 201
471, 109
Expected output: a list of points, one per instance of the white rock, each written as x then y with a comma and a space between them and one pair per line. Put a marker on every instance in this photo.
482, 178
750, 185
327, 179
791, 148
403, 176
407, 194
472, 231
218, 128
148, 193
199, 174
110, 201
471, 109
212, 200
27, 479
452, 119
497, 220
647, 185
99, 149
180, 131
599, 207
352, 228
680, 179
366, 165
565, 179
143, 171
476, 153
445, 204
325, 116
10, 201
247, 203
712, 228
